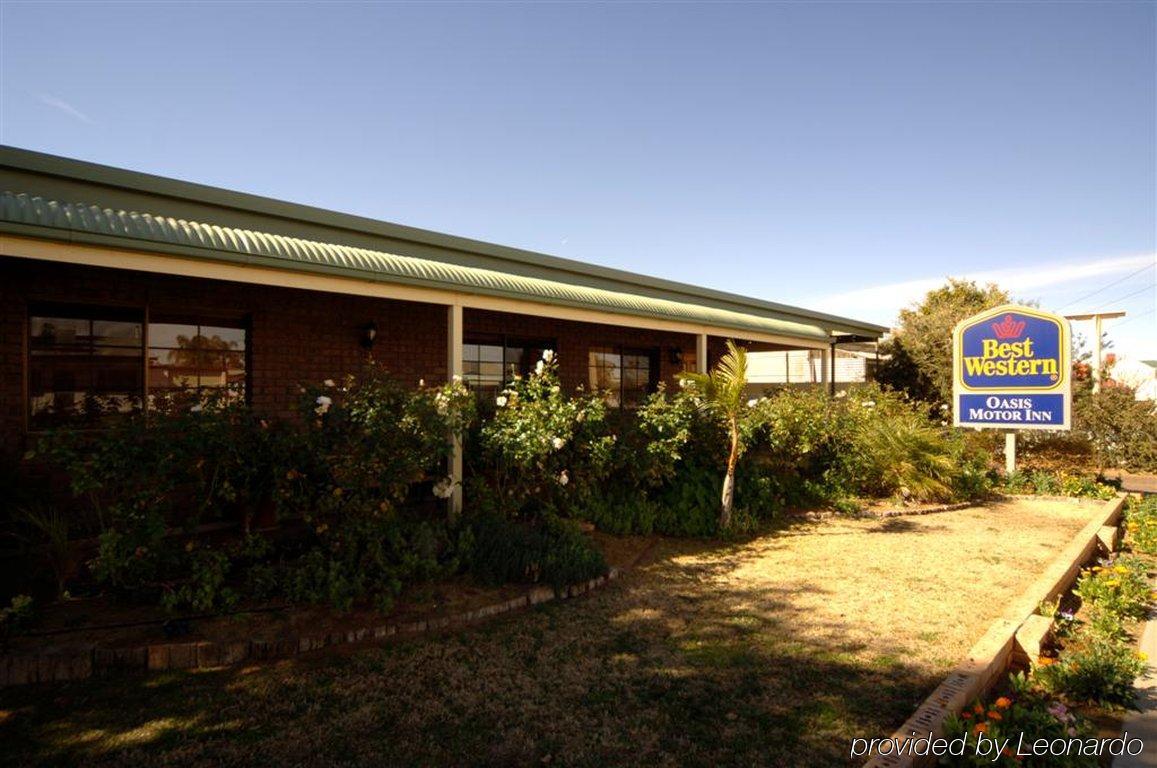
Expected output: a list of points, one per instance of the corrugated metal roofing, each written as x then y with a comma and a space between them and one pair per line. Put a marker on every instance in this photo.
233, 244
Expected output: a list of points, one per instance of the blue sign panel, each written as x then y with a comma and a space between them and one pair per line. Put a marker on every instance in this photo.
1013, 411
1015, 350
1011, 370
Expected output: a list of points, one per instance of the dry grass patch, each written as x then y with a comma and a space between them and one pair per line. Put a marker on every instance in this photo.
770, 652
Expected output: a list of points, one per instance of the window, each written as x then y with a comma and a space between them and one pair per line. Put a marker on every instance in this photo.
87, 364
489, 362
84, 365
625, 376
193, 360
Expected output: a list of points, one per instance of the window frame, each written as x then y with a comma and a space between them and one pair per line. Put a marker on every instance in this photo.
621, 351
506, 342
124, 312
241, 323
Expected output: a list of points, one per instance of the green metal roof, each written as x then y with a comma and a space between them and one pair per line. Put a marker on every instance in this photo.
26, 215
67, 180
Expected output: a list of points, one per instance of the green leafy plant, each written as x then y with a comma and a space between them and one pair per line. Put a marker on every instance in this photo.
16, 616
1093, 667
551, 550
723, 392
206, 589
1060, 483
47, 528
1119, 586
1024, 713
542, 445
1141, 524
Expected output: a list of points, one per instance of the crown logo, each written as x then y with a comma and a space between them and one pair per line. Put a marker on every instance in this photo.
1008, 328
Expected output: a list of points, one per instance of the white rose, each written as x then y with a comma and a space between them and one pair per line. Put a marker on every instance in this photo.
548, 355
538, 367
751, 403
558, 443
444, 488
563, 477
501, 400
329, 383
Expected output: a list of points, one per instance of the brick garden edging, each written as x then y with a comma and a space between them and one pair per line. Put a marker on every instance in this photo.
1017, 633
22, 669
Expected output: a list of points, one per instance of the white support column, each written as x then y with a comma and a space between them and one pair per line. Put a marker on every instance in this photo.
1009, 453
454, 368
1097, 362
823, 366
701, 353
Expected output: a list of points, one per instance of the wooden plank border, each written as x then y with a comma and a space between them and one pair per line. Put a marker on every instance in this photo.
990, 657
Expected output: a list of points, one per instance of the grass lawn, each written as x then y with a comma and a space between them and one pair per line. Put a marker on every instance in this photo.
775, 651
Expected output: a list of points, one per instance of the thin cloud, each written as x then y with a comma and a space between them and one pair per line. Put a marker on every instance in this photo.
65, 107
883, 302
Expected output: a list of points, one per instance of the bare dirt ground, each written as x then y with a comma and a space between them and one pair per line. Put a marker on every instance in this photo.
774, 651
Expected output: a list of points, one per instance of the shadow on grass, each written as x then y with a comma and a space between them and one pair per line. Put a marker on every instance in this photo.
665, 668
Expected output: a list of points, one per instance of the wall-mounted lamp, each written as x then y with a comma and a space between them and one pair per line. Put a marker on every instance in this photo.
675, 355
369, 333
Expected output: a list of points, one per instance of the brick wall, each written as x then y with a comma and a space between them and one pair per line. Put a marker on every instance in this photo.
295, 335
573, 339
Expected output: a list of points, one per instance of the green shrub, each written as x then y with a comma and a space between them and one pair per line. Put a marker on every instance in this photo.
1121, 429
1120, 587
1025, 713
206, 588
548, 550
867, 442
1045, 483
1093, 668
16, 617
1141, 524
541, 446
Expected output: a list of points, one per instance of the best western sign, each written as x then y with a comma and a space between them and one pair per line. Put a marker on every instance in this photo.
1011, 370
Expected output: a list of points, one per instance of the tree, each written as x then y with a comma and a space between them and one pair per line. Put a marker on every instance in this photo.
724, 392
921, 349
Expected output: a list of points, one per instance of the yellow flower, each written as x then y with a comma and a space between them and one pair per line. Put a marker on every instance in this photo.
1142, 656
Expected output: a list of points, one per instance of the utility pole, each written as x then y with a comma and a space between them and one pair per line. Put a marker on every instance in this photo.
1096, 317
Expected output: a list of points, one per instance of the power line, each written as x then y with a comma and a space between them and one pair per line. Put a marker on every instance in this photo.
1135, 317
1110, 285
1130, 295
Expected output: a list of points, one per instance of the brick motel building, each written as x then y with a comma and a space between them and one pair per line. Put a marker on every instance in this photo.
117, 286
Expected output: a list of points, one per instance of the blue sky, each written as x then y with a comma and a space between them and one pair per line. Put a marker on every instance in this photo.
840, 156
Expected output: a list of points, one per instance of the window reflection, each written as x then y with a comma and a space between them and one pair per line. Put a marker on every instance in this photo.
84, 366
190, 361
624, 376
490, 362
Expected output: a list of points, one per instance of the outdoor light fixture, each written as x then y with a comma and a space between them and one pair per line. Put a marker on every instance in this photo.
369, 333
675, 354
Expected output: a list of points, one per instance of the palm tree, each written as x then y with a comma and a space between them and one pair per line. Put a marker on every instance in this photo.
723, 391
